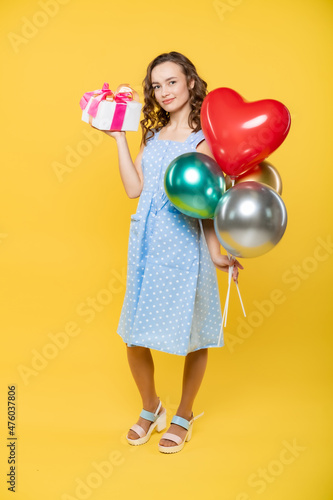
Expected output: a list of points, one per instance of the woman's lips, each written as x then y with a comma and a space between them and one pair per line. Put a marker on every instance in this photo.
167, 101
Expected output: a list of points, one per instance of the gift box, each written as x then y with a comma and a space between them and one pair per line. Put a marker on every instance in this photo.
108, 110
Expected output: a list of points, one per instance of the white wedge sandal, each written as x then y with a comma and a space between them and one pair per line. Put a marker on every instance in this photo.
187, 424
158, 421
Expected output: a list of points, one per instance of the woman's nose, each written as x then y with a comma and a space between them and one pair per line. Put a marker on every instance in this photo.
165, 91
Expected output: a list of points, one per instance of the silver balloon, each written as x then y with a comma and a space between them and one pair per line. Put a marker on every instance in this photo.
250, 219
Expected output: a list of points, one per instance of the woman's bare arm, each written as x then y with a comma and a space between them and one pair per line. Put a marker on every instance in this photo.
130, 172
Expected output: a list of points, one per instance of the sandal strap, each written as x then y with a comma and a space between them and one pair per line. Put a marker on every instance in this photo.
172, 437
183, 422
200, 415
180, 421
149, 415
139, 430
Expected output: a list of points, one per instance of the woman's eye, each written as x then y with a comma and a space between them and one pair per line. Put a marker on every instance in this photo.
156, 87
173, 81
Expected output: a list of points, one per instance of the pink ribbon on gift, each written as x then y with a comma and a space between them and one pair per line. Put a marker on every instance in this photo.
121, 99
101, 95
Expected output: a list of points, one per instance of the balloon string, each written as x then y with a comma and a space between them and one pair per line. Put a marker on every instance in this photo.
240, 298
226, 306
218, 342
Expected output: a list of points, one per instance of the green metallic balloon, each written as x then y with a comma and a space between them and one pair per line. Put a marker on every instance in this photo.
194, 183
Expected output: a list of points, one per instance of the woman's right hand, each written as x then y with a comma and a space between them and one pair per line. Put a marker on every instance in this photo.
112, 133
115, 133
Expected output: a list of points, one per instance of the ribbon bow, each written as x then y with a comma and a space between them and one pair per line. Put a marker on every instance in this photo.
123, 94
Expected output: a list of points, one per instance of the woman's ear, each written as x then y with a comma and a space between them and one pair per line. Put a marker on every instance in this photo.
192, 83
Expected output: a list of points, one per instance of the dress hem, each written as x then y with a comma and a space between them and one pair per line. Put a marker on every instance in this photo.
208, 346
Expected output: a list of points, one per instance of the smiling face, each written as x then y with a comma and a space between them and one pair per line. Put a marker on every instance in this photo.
170, 86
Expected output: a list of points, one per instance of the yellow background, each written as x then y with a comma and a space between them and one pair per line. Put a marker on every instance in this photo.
64, 241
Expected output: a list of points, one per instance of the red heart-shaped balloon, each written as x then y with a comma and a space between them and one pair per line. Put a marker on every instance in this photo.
239, 133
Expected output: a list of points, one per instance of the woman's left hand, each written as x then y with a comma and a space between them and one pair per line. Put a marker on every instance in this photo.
223, 262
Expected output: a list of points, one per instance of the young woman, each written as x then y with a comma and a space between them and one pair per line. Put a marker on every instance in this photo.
172, 301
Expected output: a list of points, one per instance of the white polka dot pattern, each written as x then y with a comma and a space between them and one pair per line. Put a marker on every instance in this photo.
172, 301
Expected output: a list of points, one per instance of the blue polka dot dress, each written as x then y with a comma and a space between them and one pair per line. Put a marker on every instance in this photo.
172, 301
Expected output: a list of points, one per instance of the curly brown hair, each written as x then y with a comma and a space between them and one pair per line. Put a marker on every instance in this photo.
156, 117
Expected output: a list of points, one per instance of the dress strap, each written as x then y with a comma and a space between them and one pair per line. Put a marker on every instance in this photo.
153, 135
197, 137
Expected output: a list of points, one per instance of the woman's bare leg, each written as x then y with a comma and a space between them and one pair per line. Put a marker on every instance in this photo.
142, 367
194, 370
